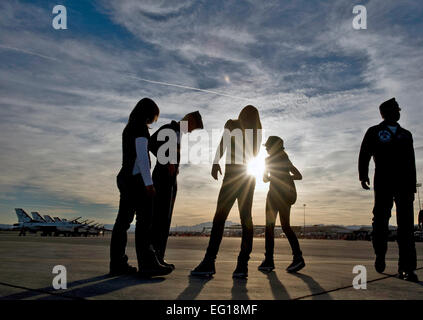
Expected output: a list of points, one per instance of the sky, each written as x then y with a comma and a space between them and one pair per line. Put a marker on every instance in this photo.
65, 95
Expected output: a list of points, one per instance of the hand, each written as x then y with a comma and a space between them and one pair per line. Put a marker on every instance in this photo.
215, 170
151, 191
365, 184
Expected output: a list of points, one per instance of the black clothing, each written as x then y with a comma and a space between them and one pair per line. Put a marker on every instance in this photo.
282, 186
166, 187
236, 185
133, 200
282, 194
393, 154
405, 221
129, 152
394, 180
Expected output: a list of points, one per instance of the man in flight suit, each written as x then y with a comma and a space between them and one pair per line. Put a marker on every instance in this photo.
391, 147
164, 180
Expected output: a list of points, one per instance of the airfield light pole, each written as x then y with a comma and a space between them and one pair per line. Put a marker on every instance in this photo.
418, 195
304, 206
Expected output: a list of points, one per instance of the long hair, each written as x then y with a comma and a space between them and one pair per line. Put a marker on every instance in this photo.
145, 111
249, 118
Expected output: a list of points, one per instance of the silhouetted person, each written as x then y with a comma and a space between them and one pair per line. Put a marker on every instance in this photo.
282, 195
237, 185
165, 182
136, 196
421, 219
391, 147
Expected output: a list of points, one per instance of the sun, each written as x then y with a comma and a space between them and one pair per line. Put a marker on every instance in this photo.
256, 168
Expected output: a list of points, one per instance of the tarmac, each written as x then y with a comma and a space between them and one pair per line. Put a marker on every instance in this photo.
27, 263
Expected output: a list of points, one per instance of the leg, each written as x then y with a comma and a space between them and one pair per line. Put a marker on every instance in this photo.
245, 203
405, 232
119, 234
143, 227
270, 227
225, 201
284, 214
163, 206
381, 214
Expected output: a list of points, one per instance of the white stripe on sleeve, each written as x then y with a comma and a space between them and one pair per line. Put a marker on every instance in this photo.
142, 163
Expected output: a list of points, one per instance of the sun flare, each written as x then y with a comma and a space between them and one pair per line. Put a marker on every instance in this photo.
256, 168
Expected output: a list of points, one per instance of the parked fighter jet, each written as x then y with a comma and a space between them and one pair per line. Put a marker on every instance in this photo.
47, 226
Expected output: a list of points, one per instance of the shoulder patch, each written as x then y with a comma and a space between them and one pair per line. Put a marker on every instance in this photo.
384, 135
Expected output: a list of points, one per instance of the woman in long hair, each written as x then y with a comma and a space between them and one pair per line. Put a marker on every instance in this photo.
136, 195
243, 137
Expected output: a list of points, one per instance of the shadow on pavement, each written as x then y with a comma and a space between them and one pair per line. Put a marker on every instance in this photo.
195, 285
239, 289
110, 284
314, 286
278, 290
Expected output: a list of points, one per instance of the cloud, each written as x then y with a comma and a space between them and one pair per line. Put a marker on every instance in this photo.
65, 96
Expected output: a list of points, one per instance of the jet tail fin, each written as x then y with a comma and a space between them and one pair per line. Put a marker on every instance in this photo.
37, 217
48, 218
22, 215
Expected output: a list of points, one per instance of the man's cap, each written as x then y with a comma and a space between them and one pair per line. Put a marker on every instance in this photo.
195, 116
274, 141
389, 105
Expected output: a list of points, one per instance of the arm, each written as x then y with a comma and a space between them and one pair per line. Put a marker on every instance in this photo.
366, 153
142, 161
220, 152
413, 165
296, 175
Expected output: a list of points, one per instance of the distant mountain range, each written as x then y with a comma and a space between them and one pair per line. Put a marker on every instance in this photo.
199, 227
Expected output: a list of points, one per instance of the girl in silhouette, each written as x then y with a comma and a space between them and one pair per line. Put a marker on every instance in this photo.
282, 195
243, 137
136, 195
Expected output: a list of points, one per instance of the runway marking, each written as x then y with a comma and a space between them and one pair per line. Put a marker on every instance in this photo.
347, 287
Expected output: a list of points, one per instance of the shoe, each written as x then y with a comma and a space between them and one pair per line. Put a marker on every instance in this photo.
296, 265
267, 265
380, 264
205, 269
164, 263
122, 270
241, 271
151, 267
408, 276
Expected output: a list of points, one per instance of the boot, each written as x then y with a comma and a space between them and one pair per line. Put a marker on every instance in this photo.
149, 266
408, 276
267, 265
121, 268
163, 262
296, 265
206, 268
241, 270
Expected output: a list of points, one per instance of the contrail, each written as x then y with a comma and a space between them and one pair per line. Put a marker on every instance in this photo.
28, 52
187, 87
135, 77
